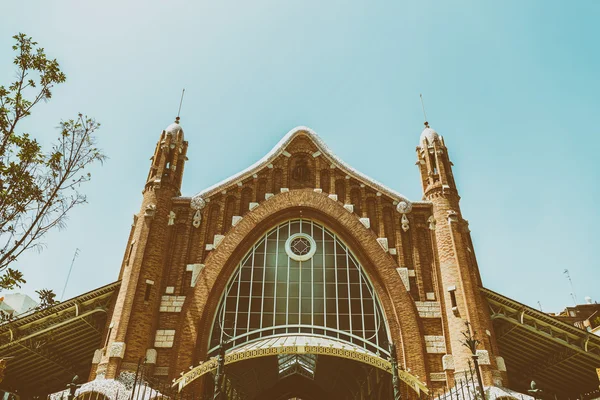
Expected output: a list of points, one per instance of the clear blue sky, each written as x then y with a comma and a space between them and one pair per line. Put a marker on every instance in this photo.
512, 86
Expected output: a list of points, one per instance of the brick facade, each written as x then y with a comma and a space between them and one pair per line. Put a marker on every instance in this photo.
182, 251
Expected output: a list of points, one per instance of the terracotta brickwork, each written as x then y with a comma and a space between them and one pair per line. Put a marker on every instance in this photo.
182, 251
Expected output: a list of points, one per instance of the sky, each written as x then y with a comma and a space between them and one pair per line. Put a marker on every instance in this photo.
512, 86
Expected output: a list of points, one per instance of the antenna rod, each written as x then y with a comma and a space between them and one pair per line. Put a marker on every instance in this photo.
180, 102
423, 107
69, 274
566, 272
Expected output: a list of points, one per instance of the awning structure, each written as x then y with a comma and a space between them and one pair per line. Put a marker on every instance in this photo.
299, 344
558, 356
47, 348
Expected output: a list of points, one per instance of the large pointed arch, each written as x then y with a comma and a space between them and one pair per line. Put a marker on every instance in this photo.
300, 278
193, 333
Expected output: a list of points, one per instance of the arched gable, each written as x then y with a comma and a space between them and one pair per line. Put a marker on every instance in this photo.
193, 334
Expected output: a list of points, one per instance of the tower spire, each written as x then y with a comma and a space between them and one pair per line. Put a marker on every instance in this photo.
424, 114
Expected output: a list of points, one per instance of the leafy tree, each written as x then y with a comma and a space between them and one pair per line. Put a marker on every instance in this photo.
38, 187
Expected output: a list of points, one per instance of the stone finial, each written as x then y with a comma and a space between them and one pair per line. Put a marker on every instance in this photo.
171, 218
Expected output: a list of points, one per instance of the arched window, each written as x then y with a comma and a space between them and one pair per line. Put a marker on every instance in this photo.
300, 278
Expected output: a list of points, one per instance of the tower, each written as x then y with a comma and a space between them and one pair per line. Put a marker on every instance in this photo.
130, 332
458, 273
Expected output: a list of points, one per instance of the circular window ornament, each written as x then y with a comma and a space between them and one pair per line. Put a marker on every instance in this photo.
300, 247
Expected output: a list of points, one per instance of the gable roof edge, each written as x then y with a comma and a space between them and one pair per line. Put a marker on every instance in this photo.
280, 148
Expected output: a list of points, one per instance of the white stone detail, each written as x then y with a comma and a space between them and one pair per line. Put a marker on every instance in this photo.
333, 197
437, 376
286, 153
268, 196
429, 309
149, 282
431, 221
366, 222
284, 190
164, 338
170, 290
403, 272
97, 356
349, 207
448, 362
392, 251
235, 220
430, 295
404, 221
404, 207
195, 269
383, 242
316, 154
484, 357
217, 240
151, 356
150, 210
117, 349
270, 166
435, 344
412, 273
252, 205
171, 303
197, 219
318, 190
501, 364
197, 203
210, 247
171, 218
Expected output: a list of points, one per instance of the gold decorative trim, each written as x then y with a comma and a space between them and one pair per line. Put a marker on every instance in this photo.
350, 354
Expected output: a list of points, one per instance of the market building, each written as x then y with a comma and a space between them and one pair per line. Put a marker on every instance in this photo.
302, 277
